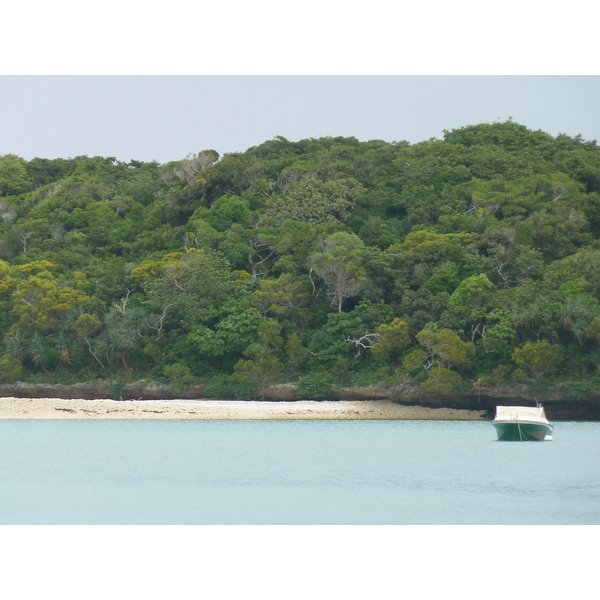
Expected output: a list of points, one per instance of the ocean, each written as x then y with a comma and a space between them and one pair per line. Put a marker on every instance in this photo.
313, 472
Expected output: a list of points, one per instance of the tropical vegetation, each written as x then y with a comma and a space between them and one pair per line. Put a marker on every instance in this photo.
322, 262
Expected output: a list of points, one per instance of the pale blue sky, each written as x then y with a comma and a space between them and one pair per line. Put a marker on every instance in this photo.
164, 118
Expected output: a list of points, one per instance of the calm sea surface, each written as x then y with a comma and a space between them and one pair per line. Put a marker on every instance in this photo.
294, 472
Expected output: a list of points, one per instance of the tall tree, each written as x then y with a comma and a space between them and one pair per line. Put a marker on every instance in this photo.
340, 265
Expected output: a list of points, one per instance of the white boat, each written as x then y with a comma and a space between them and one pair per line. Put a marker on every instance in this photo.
522, 423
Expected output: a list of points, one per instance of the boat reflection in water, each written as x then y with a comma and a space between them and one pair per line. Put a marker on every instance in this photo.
522, 424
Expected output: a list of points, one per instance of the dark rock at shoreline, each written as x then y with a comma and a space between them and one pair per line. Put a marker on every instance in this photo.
559, 404
130, 391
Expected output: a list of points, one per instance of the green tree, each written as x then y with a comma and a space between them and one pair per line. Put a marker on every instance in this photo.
593, 329
340, 266
85, 326
538, 358
441, 380
317, 202
472, 293
38, 302
392, 338
346, 335
127, 325
446, 349
14, 178
314, 386
179, 374
296, 354
281, 295
10, 368
225, 212
262, 367
7, 282
232, 332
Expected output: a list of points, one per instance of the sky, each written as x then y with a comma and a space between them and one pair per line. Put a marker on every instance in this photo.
165, 118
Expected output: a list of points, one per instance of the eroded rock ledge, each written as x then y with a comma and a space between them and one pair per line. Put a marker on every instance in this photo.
559, 403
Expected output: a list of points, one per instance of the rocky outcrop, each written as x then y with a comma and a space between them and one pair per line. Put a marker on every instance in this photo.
155, 391
132, 391
46, 390
288, 392
559, 404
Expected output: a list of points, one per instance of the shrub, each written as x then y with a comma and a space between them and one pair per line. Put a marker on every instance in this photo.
441, 380
217, 387
245, 390
314, 386
179, 374
10, 368
222, 386
116, 390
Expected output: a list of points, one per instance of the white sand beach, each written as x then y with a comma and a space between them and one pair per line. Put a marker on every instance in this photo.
56, 408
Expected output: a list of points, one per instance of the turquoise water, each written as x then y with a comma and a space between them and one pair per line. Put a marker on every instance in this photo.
294, 472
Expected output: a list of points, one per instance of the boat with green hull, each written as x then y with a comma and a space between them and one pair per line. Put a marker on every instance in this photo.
522, 424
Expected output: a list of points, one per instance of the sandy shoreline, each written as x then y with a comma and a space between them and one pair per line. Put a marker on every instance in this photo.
56, 408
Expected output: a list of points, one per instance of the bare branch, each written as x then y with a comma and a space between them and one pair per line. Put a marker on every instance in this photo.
121, 304
260, 251
159, 321
365, 341
194, 164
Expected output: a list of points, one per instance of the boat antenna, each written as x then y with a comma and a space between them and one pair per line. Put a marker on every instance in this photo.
536, 402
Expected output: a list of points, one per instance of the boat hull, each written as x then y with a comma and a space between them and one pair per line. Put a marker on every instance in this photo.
522, 432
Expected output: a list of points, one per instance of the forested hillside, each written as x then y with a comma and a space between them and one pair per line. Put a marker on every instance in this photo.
455, 263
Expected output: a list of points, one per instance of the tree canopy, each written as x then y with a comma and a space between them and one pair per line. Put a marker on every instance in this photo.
327, 261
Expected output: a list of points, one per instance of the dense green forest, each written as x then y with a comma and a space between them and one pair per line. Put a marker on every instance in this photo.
449, 264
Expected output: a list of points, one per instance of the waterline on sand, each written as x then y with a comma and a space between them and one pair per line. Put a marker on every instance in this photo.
57, 408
